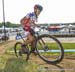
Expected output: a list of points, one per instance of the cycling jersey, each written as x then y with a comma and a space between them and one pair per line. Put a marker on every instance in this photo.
30, 18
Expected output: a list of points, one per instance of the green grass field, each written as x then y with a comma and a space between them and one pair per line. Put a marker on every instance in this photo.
15, 65
68, 45
53, 45
10, 63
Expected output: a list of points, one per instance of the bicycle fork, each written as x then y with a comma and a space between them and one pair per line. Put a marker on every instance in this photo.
43, 45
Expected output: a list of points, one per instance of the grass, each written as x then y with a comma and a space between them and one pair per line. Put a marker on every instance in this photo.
65, 45
53, 45
68, 45
9, 63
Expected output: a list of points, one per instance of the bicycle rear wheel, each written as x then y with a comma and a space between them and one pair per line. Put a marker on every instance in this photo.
49, 49
17, 47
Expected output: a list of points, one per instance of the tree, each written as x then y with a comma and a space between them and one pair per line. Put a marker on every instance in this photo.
0, 24
9, 24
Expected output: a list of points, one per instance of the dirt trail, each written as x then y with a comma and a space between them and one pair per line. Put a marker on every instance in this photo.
67, 65
5, 45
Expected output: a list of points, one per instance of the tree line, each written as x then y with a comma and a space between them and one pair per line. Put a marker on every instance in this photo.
9, 24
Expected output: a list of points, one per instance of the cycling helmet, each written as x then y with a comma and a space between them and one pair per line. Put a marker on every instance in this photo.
39, 7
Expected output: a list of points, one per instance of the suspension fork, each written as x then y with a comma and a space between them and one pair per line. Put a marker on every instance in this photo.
42, 44
41, 40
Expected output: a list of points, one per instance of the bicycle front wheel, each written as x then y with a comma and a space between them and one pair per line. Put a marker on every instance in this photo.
49, 49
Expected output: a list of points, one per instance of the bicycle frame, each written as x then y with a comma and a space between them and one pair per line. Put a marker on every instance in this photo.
34, 37
40, 41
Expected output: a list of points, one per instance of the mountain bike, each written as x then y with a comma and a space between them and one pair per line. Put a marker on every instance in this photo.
47, 46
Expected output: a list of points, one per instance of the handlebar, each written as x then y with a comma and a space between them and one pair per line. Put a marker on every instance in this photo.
38, 29
43, 28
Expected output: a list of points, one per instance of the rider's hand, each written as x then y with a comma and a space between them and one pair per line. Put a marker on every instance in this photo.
37, 25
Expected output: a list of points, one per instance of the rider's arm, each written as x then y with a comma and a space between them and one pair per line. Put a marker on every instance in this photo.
24, 20
37, 25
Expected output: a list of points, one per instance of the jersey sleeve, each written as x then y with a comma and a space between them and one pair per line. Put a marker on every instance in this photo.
25, 20
28, 15
30, 18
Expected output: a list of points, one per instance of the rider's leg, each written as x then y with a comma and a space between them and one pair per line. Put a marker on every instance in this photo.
30, 36
30, 39
33, 46
24, 45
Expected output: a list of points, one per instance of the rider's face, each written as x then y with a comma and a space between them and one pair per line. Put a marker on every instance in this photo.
37, 11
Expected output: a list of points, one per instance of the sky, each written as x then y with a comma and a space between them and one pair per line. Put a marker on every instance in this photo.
54, 11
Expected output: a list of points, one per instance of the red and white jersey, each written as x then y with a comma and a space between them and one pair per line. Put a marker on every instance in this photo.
31, 17
28, 20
